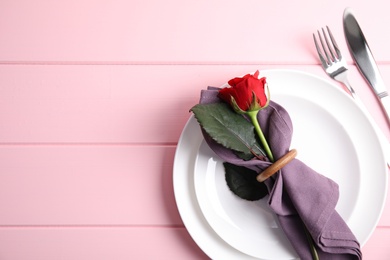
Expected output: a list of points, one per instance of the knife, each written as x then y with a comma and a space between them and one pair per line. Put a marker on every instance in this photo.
361, 54
364, 59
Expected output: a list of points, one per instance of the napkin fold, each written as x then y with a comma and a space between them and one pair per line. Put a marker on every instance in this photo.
299, 196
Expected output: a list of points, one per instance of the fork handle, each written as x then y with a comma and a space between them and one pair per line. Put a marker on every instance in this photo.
352, 92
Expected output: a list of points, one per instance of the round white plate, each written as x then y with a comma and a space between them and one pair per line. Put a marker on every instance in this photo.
332, 136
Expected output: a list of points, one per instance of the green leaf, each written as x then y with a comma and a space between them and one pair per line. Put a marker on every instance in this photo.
242, 182
228, 128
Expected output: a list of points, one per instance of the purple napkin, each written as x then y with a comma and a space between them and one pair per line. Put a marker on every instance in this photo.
298, 195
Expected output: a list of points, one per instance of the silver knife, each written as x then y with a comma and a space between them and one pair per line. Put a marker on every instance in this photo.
361, 54
364, 59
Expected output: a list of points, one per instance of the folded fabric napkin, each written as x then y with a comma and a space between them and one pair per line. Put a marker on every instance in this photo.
298, 195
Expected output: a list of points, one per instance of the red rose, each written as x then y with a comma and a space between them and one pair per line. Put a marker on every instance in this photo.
246, 93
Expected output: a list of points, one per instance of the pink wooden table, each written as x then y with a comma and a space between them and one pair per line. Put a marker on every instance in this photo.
94, 96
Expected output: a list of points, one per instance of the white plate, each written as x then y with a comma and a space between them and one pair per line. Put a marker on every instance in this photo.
332, 136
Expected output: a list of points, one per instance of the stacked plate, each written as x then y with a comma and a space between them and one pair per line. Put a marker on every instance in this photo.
332, 136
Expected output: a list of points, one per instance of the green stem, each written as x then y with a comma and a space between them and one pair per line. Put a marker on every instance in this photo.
253, 117
313, 250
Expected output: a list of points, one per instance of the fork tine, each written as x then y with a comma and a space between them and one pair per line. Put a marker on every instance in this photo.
336, 48
324, 47
336, 68
330, 48
322, 58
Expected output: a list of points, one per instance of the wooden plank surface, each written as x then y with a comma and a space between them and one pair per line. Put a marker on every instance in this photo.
172, 31
124, 243
87, 185
118, 104
91, 185
94, 96
98, 243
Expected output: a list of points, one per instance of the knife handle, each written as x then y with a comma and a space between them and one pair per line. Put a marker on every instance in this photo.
382, 138
385, 101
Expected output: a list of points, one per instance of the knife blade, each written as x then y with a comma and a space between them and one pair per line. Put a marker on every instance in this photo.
362, 55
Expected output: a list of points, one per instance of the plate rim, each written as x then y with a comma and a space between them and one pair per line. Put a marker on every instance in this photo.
185, 215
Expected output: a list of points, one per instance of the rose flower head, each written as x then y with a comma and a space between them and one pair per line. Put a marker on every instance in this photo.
246, 94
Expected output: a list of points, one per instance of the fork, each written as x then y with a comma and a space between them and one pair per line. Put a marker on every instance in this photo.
336, 67
333, 62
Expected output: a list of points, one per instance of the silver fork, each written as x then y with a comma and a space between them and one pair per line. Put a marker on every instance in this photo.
332, 61
336, 67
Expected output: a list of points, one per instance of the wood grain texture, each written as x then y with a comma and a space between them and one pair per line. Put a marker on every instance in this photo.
98, 243
94, 96
118, 104
72, 156
201, 31
378, 247
122, 185
125, 243
87, 185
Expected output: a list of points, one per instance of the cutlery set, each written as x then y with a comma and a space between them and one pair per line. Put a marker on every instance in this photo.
227, 228
336, 67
